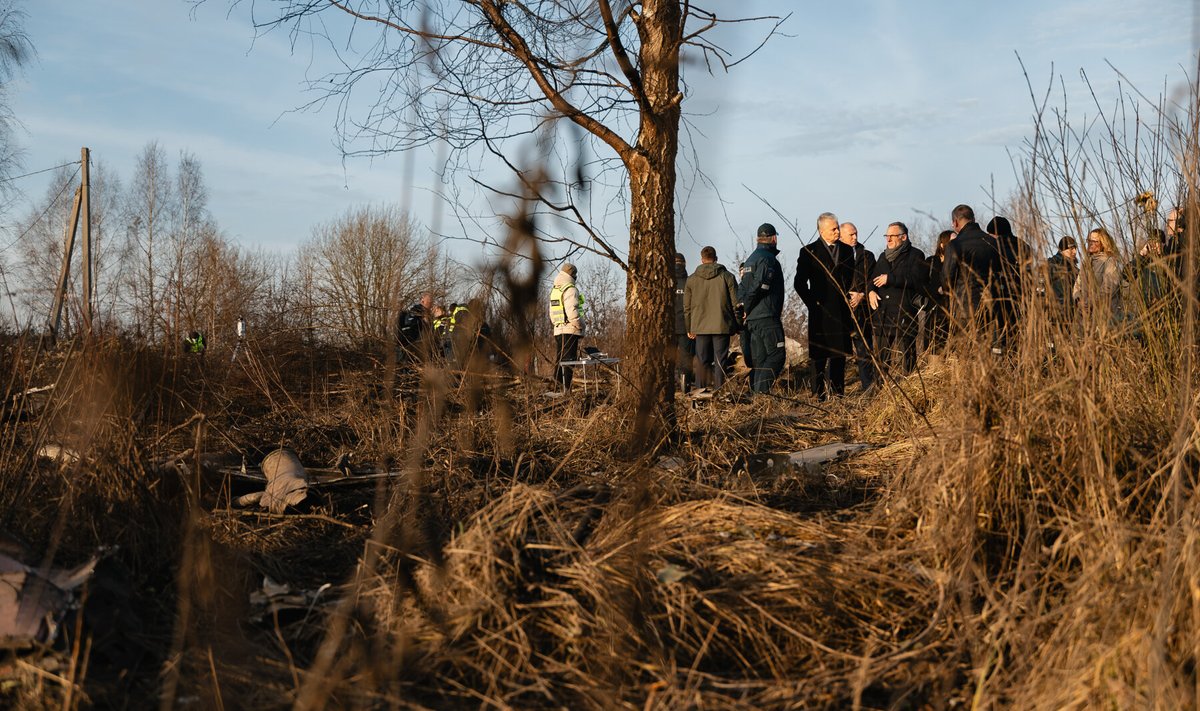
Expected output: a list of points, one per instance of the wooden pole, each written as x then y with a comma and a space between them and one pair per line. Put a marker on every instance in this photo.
60, 294
86, 203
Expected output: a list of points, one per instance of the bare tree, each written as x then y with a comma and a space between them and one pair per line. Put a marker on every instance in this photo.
223, 283
479, 73
40, 247
41, 242
192, 232
15, 51
150, 207
363, 266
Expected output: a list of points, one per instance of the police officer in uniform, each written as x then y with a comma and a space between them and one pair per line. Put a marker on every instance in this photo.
760, 295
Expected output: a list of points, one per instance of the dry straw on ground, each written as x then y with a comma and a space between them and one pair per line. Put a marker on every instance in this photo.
1024, 534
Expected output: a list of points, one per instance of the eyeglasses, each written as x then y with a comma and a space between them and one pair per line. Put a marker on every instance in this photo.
902, 234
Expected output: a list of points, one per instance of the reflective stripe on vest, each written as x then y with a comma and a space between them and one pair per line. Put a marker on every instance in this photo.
453, 320
558, 310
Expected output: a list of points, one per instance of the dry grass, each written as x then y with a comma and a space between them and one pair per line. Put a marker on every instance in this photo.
1025, 534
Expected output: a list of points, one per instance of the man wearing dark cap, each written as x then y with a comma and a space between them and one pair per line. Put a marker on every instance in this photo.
1061, 272
685, 347
824, 271
760, 295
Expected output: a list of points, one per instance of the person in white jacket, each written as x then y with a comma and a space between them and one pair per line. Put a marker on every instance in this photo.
566, 314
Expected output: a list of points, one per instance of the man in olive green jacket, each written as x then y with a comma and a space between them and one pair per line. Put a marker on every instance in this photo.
708, 302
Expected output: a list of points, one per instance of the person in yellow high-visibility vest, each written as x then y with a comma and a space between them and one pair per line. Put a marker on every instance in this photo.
566, 314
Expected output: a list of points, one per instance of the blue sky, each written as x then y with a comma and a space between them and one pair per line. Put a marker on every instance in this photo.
872, 110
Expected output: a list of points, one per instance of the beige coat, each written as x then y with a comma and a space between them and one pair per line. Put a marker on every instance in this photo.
574, 324
1098, 288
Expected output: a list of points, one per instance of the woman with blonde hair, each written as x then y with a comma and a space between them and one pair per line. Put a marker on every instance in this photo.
1098, 288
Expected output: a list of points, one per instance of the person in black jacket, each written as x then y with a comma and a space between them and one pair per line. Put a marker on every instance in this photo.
1061, 272
860, 312
414, 331
972, 262
824, 271
899, 282
760, 296
1008, 286
685, 347
937, 318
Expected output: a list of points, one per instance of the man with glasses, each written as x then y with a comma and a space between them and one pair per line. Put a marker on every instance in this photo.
898, 281
824, 271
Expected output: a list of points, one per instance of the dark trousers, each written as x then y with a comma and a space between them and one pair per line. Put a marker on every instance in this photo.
828, 373
685, 351
747, 356
896, 337
567, 345
864, 354
1007, 317
937, 328
712, 353
767, 352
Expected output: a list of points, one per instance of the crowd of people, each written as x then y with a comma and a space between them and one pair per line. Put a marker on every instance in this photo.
873, 309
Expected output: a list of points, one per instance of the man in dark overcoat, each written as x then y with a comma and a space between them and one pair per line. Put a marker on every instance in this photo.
824, 271
860, 328
972, 263
899, 283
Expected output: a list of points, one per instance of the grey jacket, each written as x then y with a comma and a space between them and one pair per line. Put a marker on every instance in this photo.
708, 300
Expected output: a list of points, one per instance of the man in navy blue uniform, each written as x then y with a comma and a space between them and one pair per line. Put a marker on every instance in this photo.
760, 293
824, 271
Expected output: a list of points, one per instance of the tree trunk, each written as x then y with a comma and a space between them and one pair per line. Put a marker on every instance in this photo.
649, 348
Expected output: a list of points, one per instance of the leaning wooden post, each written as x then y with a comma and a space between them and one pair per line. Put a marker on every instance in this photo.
60, 293
85, 156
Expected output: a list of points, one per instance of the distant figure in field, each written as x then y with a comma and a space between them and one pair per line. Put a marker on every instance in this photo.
194, 343
1062, 271
566, 315
760, 295
972, 262
685, 347
937, 318
414, 331
1098, 288
709, 301
824, 272
899, 282
861, 336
